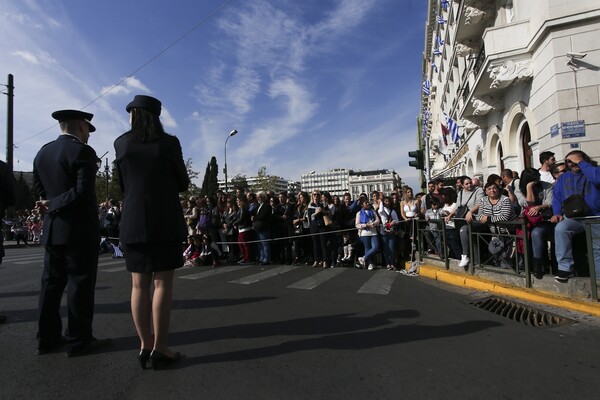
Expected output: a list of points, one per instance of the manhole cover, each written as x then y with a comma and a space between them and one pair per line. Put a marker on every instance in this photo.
521, 313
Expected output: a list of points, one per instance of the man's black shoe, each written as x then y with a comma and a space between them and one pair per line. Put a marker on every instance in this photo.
50, 346
563, 276
83, 348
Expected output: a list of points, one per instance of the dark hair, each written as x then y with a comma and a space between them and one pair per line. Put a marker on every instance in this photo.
487, 185
464, 178
434, 201
545, 156
528, 175
327, 196
556, 166
584, 156
492, 178
146, 126
450, 195
506, 172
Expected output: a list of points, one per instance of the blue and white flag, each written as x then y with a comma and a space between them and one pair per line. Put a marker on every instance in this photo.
444, 4
427, 88
453, 130
437, 52
439, 41
434, 67
440, 20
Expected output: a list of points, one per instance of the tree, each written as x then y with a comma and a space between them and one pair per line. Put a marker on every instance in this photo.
263, 181
239, 181
193, 189
204, 188
24, 198
210, 183
108, 187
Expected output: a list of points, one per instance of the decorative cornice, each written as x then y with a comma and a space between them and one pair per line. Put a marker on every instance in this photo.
468, 126
485, 104
507, 72
467, 47
473, 15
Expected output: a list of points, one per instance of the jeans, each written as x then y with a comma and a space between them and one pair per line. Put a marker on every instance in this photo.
264, 246
389, 242
540, 235
371, 244
563, 235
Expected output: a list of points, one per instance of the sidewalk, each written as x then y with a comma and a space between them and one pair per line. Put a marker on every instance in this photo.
12, 244
574, 295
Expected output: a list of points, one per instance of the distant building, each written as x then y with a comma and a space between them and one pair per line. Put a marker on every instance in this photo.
341, 180
334, 181
279, 184
294, 187
381, 180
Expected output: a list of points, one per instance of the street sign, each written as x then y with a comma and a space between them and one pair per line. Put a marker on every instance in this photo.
573, 129
554, 130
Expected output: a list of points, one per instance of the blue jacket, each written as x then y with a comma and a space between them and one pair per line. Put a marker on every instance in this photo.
571, 183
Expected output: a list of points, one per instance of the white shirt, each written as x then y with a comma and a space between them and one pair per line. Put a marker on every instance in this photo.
546, 176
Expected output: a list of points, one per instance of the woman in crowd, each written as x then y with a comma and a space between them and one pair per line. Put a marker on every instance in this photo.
389, 225
448, 210
191, 215
328, 241
339, 219
243, 225
535, 197
301, 226
409, 210
231, 234
151, 173
494, 207
317, 226
367, 222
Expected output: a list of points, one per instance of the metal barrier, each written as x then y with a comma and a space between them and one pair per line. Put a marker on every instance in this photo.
521, 261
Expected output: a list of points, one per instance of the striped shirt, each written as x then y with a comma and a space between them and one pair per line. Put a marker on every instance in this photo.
501, 211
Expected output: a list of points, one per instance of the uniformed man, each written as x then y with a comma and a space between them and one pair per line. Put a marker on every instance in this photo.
65, 175
7, 198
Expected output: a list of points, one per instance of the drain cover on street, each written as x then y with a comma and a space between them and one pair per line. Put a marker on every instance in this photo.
521, 313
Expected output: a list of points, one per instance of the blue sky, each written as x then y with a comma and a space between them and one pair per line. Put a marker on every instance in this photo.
309, 85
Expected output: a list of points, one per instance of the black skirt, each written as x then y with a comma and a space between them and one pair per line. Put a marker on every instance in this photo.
153, 257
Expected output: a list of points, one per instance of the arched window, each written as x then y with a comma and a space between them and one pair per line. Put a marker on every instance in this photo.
527, 153
500, 157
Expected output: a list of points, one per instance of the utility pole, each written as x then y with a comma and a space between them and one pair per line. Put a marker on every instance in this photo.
9, 123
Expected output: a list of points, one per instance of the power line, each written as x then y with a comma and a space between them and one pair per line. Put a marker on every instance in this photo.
149, 61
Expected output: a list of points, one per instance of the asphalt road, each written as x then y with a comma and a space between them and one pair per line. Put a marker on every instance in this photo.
282, 332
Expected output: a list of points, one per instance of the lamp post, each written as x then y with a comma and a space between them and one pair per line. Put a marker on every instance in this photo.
106, 170
232, 133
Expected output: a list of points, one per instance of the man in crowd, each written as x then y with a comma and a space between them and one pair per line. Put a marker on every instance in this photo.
64, 172
261, 224
547, 160
583, 178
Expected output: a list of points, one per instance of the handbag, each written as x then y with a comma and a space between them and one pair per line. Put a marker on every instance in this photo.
326, 220
575, 206
461, 211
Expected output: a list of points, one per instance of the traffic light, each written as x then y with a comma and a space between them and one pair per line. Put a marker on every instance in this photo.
419, 159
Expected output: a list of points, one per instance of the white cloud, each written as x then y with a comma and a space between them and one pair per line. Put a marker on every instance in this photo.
125, 86
167, 119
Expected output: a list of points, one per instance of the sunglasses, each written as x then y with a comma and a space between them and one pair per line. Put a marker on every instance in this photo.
569, 162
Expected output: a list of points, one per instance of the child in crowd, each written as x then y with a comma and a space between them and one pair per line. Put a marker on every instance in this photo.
347, 246
210, 251
192, 252
433, 226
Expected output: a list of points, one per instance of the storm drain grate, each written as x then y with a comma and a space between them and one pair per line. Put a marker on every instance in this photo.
521, 313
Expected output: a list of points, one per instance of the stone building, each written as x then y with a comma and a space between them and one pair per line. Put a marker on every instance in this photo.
504, 80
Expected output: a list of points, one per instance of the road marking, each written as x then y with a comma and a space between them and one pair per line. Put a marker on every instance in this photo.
214, 271
21, 258
380, 283
28, 261
265, 274
102, 264
117, 269
313, 281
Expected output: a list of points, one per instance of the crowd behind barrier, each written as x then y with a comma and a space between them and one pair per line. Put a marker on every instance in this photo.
507, 226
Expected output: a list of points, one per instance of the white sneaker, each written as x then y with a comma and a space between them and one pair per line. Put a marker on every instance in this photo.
371, 267
464, 260
361, 261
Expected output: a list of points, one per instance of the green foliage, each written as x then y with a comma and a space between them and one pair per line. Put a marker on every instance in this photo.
24, 196
239, 181
263, 181
193, 189
210, 183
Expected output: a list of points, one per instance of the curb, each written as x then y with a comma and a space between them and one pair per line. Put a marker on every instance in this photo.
470, 282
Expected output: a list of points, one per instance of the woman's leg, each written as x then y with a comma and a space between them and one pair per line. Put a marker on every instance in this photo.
373, 248
141, 308
161, 310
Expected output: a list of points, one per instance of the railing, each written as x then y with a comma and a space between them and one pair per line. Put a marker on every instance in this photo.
520, 264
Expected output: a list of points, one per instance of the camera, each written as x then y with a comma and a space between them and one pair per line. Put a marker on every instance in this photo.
576, 55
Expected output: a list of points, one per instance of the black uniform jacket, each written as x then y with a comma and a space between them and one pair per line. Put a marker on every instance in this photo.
64, 172
151, 175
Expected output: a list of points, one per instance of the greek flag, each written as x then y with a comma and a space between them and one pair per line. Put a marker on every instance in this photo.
440, 20
427, 88
437, 52
453, 130
439, 41
444, 4
434, 67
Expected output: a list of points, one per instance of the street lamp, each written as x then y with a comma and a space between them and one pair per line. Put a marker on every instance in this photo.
232, 133
106, 170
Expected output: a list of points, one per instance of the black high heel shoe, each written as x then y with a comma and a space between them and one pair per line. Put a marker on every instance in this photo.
160, 361
143, 357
